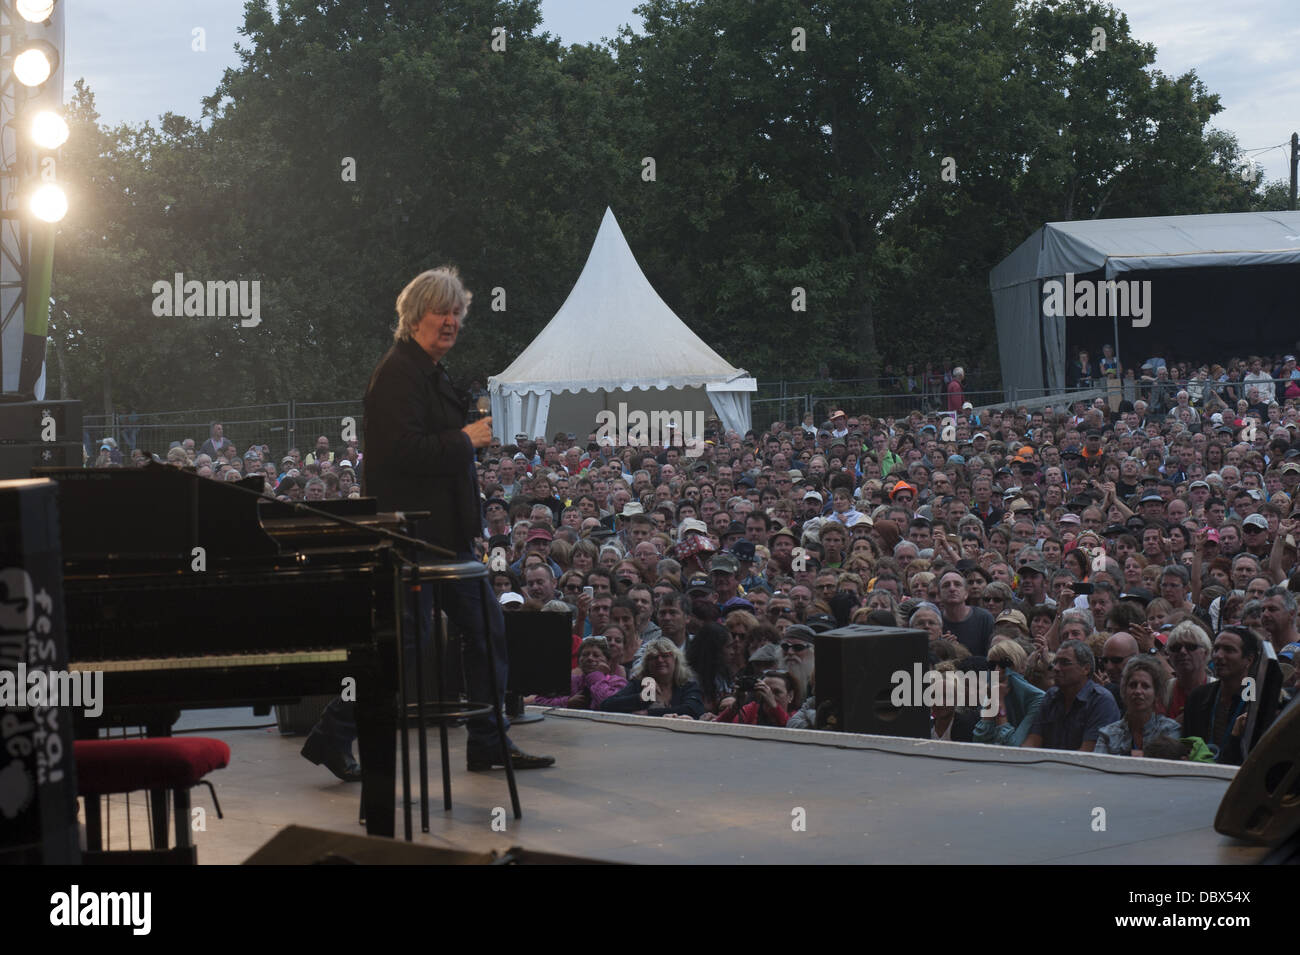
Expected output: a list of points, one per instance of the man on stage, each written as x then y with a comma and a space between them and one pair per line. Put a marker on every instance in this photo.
420, 457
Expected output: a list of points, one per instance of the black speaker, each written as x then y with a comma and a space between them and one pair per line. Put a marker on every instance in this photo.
1263, 802
17, 460
853, 682
29, 421
300, 845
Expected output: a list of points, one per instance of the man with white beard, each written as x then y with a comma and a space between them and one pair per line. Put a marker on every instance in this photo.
797, 651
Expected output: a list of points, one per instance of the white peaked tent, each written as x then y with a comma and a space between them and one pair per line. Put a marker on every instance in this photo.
614, 341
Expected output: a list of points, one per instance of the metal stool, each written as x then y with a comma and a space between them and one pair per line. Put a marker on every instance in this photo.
411, 578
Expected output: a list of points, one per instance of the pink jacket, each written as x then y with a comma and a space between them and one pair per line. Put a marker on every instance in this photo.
599, 686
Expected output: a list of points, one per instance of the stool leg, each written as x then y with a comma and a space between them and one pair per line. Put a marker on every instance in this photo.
404, 721
439, 629
498, 703
158, 799
181, 803
422, 732
94, 824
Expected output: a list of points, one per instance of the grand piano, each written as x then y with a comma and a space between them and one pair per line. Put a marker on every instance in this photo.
190, 593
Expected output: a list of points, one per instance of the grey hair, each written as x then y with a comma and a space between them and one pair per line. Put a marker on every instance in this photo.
1190, 630
1083, 616
1288, 598
1082, 653
925, 605
437, 290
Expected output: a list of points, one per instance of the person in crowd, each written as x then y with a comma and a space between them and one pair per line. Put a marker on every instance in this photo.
662, 684
1188, 647
1075, 709
1217, 712
1018, 699
1144, 685
593, 682
769, 704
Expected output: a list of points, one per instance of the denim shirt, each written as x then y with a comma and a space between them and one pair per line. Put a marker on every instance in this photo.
1060, 728
1023, 701
1117, 739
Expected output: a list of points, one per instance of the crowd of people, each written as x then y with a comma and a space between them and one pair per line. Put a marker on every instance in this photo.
1125, 566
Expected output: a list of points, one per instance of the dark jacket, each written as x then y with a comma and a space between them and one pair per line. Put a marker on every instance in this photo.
1198, 720
686, 701
417, 456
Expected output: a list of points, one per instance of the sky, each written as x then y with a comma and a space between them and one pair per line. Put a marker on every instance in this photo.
138, 56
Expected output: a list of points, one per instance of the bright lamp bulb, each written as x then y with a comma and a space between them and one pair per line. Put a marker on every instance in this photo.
35, 11
32, 67
49, 131
49, 203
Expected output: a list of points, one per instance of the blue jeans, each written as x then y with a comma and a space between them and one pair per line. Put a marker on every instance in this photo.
462, 602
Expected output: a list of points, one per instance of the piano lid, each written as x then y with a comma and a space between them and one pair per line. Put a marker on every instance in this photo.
156, 514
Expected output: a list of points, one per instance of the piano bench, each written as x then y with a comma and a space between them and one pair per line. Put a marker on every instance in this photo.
106, 766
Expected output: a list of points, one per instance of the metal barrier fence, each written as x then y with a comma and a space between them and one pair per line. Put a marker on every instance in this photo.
296, 424
289, 424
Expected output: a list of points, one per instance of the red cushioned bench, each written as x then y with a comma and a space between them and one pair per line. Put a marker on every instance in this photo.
106, 766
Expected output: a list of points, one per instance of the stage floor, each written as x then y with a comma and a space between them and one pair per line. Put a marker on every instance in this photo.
641, 790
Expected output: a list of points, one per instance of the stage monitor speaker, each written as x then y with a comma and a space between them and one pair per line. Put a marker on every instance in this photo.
853, 682
301, 845
1263, 802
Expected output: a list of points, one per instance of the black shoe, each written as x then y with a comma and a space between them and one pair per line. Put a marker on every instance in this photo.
318, 749
518, 759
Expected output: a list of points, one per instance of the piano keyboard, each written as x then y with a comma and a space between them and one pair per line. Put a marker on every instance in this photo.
209, 662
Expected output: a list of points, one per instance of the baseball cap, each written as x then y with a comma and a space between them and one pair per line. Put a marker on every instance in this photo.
511, 598
1256, 520
538, 534
1034, 567
813, 496
1290, 467
1151, 498
631, 508
1195, 484
724, 563
699, 583
1014, 617
1068, 518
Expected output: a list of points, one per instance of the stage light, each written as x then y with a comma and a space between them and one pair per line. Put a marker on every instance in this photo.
49, 131
49, 203
34, 65
35, 11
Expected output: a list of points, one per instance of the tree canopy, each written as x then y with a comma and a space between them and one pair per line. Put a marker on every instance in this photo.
879, 155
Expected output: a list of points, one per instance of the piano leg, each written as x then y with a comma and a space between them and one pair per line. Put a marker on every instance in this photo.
376, 741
